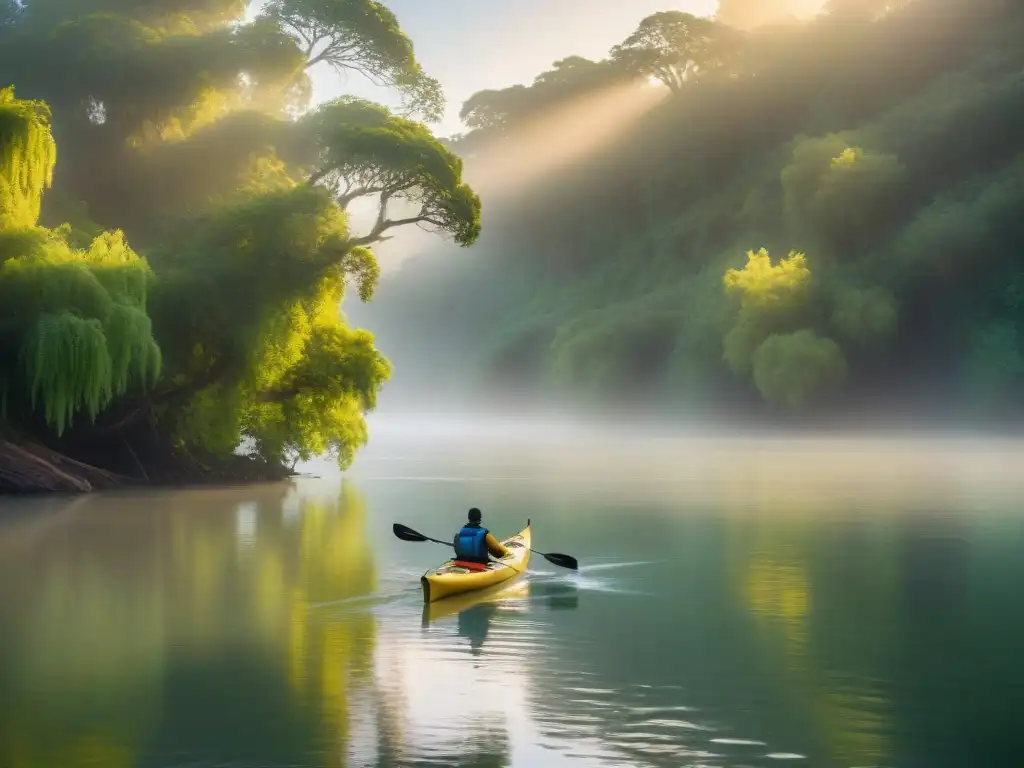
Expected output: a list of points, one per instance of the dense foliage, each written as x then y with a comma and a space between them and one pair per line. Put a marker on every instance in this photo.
188, 133
817, 217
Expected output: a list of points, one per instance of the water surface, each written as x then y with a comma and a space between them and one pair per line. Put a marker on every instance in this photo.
741, 603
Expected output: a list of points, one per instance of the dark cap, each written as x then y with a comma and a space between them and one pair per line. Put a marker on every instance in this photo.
474, 515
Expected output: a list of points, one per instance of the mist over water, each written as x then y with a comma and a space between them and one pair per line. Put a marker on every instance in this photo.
696, 465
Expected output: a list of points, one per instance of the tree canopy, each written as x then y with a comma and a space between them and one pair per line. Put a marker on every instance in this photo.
676, 48
363, 150
361, 36
188, 132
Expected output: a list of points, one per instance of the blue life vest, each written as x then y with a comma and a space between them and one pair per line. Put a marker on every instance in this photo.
471, 544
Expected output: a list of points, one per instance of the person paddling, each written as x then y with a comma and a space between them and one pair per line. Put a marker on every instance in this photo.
474, 542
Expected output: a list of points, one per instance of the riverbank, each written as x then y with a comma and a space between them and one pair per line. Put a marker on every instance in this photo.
30, 468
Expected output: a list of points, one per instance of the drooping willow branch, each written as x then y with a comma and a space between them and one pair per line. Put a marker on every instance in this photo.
28, 154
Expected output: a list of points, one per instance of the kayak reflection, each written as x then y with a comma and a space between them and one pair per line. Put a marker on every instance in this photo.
474, 623
476, 611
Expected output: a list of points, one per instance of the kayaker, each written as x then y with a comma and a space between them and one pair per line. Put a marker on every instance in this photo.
474, 542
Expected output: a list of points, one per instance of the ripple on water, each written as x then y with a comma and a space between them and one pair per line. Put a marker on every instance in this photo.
640, 732
499, 663
666, 722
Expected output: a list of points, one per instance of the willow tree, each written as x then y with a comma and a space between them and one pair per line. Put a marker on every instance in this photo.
27, 159
75, 332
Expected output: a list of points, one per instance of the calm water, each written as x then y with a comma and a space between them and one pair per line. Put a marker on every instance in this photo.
740, 604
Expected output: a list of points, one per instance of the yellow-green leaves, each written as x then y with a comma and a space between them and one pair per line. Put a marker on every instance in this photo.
27, 158
79, 319
67, 367
76, 318
762, 285
789, 363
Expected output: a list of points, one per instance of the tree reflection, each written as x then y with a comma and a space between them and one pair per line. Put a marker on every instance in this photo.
783, 580
330, 658
156, 624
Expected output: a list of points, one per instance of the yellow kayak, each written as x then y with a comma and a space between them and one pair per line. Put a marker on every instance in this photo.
452, 579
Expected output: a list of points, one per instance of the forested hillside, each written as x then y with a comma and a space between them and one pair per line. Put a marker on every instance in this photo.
174, 233
818, 218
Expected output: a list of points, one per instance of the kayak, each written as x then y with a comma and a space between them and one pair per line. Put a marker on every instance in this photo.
451, 578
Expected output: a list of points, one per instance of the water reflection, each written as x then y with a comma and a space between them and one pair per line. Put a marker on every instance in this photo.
168, 625
792, 598
284, 626
474, 624
476, 612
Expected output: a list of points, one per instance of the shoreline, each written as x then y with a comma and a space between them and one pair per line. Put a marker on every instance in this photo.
30, 469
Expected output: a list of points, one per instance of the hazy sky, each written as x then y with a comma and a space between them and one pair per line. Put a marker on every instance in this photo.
470, 45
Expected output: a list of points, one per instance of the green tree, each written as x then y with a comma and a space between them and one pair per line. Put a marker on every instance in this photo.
29, 155
493, 113
793, 369
840, 192
75, 332
361, 36
773, 298
362, 150
677, 48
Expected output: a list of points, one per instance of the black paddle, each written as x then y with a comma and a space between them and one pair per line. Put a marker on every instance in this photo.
408, 534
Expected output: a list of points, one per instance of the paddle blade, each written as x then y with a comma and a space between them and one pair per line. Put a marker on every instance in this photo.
564, 561
407, 534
